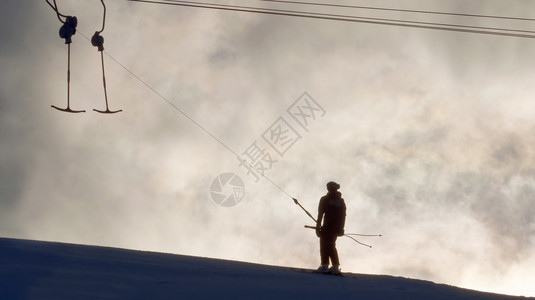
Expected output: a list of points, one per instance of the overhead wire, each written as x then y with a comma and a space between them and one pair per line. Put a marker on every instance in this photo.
399, 10
55, 8
365, 18
350, 18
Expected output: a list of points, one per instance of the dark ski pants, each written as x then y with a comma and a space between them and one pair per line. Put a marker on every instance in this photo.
328, 249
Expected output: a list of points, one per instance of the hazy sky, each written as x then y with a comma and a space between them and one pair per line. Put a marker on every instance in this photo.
430, 134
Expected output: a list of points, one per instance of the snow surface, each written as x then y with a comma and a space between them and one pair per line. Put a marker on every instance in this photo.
46, 270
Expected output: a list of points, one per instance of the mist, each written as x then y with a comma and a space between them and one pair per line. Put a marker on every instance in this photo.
430, 134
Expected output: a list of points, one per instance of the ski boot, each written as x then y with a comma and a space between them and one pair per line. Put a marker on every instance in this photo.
323, 269
335, 270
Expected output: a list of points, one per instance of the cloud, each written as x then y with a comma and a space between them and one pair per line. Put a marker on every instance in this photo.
430, 135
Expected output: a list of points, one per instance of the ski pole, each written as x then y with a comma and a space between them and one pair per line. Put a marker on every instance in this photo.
349, 236
357, 234
357, 241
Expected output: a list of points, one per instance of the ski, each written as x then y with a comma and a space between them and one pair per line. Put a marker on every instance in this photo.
311, 271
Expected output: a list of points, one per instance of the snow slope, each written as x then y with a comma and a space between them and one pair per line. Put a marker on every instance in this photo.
45, 270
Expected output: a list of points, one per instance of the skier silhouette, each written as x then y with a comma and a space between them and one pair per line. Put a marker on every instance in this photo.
332, 211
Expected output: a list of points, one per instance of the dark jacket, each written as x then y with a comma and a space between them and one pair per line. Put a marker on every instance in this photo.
332, 210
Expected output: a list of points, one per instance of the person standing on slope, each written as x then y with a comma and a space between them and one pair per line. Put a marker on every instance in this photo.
332, 211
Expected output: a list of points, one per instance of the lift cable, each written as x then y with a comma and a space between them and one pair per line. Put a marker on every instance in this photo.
351, 18
400, 10
55, 8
